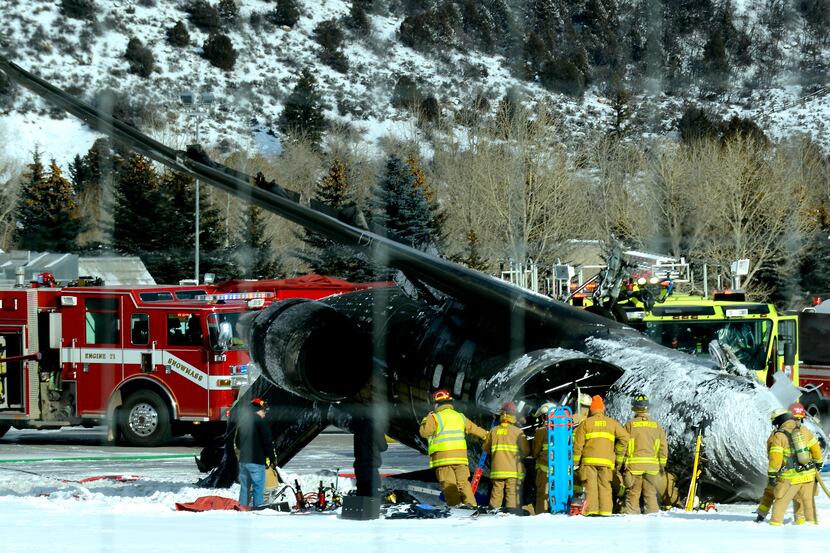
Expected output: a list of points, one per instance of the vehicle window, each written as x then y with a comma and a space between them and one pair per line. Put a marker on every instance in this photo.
156, 296
189, 294
748, 339
140, 329
102, 321
237, 340
184, 329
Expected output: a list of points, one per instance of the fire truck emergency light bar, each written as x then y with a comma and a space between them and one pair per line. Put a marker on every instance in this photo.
236, 296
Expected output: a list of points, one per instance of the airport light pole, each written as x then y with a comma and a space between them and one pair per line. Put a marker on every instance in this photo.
196, 105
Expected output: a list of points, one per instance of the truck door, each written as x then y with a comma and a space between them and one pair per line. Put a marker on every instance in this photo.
141, 355
101, 355
185, 364
788, 346
12, 377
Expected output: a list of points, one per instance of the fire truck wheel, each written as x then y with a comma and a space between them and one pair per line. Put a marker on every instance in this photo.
3, 429
145, 420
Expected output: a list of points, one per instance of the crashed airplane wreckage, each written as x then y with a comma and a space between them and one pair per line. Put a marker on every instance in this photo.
375, 356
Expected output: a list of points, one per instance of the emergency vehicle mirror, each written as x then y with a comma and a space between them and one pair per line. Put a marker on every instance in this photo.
225, 335
789, 354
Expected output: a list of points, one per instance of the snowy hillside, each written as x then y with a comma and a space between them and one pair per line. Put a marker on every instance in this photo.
88, 58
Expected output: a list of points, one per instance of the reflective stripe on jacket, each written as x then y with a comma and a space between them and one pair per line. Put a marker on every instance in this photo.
647, 450
446, 430
600, 441
782, 460
540, 448
507, 446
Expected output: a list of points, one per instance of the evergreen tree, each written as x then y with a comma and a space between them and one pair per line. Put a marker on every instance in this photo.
254, 255
472, 256
715, 61
178, 36
78, 173
303, 113
324, 256
358, 20
215, 255
399, 209
286, 13
143, 219
47, 214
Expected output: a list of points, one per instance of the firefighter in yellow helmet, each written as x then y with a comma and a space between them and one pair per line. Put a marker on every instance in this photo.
599, 446
507, 446
539, 452
792, 466
645, 459
810, 441
445, 430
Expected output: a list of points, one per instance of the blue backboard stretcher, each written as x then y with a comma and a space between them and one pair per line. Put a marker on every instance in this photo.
560, 459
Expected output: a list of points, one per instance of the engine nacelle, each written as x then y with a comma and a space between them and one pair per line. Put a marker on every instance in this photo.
311, 350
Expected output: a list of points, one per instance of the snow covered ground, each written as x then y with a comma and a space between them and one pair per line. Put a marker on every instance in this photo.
41, 512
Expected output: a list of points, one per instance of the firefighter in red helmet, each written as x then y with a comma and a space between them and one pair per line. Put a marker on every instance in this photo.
804, 511
445, 430
794, 457
507, 446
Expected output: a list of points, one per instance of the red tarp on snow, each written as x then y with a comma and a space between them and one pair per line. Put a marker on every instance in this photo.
212, 503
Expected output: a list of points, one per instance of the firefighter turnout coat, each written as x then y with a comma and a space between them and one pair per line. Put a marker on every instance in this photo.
446, 430
645, 459
507, 446
794, 481
600, 443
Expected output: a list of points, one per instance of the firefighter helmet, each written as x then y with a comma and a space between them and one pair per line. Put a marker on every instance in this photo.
441, 395
639, 402
584, 400
543, 409
508, 408
797, 410
778, 416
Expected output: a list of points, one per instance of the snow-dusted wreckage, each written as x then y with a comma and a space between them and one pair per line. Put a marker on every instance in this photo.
376, 355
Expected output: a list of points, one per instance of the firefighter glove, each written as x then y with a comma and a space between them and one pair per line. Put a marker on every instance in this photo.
772, 479
818, 465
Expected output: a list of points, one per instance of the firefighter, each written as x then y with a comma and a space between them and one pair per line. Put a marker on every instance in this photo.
540, 456
506, 445
798, 413
791, 469
445, 429
645, 460
583, 406
599, 446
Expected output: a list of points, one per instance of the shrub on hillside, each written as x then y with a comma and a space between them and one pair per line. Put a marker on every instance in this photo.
178, 36
430, 109
140, 58
78, 9
695, 124
328, 34
335, 59
286, 13
406, 94
219, 51
203, 15
562, 75
228, 11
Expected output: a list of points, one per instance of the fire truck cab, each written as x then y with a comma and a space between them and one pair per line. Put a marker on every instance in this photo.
149, 362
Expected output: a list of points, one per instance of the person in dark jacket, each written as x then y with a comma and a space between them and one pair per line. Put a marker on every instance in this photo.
254, 443
369, 443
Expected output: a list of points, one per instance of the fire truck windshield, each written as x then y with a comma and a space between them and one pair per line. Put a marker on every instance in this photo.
749, 339
213, 329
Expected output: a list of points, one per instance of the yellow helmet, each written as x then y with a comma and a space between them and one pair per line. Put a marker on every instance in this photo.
778, 413
585, 400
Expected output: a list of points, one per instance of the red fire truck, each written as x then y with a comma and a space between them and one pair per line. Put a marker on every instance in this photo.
149, 361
